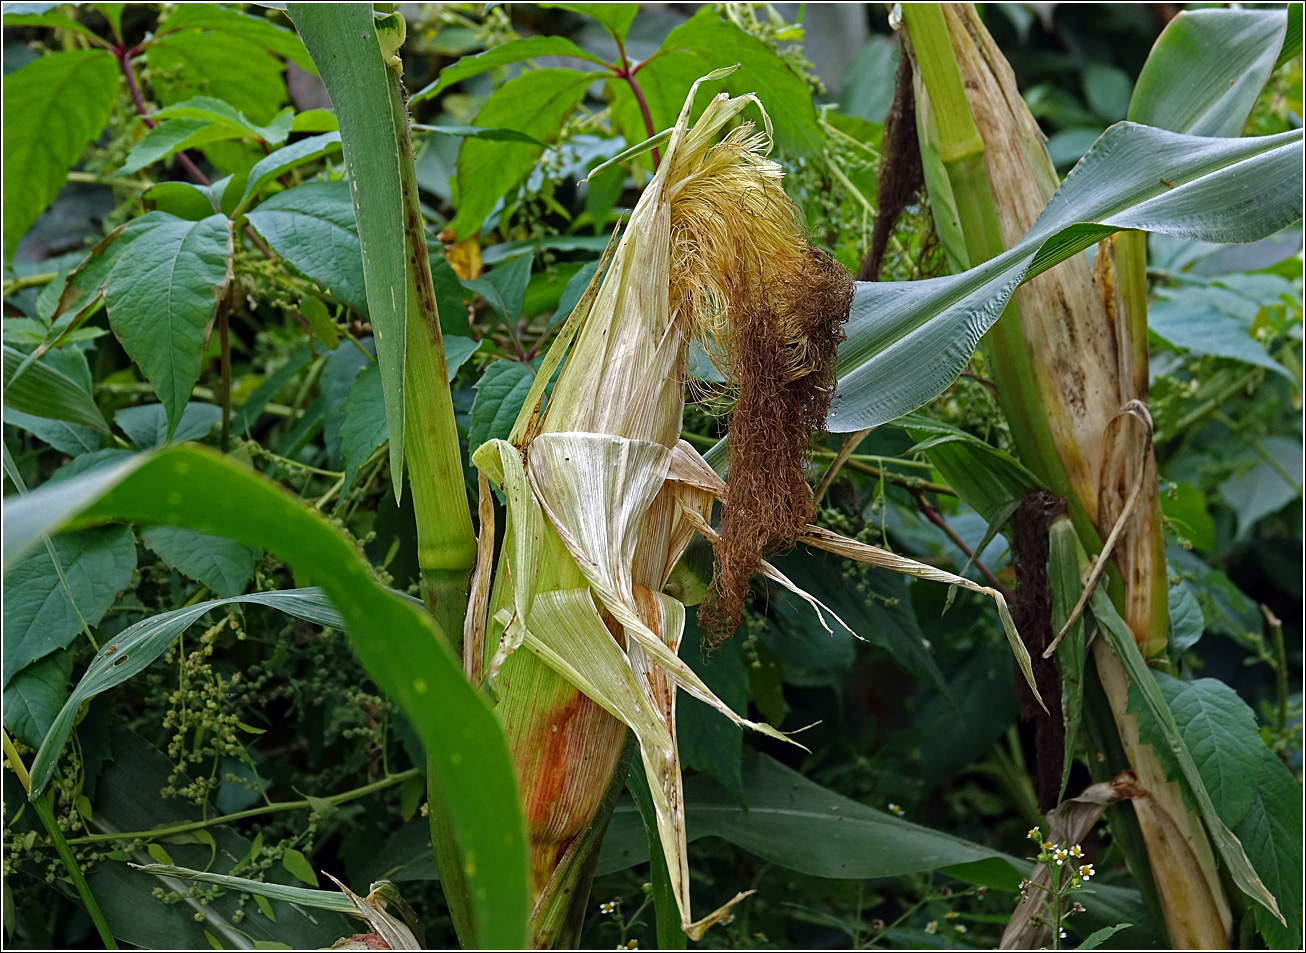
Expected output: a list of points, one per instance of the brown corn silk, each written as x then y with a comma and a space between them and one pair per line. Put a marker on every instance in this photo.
603, 497
596, 521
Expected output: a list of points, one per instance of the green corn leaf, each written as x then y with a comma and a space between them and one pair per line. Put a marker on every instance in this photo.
1171, 747
343, 41
394, 640
1134, 177
137, 646
1207, 69
1063, 575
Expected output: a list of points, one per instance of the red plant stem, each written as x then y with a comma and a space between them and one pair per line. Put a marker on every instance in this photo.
124, 56
125, 62
628, 74
937, 519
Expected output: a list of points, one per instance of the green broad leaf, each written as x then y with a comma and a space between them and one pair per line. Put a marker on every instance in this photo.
161, 294
799, 825
72, 439
50, 18
1184, 506
323, 326
169, 138
704, 43
226, 20
34, 696
224, 114
297, 865
504, 288
42, 391
53, 107
1224, 190
137, 646
500, 393
315, 120
894, 630
363, 429
536, 104
1190, 320
1187, 623
281, 161
448, 300
343, 41
1253, 793
1107, 90
514, 51
184, 199
39, 617
395, 641
615, 17
147, 425
312, 227
343, 367
1271, 481
1098, 937
224, 565
1157, 726
224, 66
1207, 69
709, 742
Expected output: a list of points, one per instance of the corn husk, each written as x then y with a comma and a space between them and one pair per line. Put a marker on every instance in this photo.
604, 498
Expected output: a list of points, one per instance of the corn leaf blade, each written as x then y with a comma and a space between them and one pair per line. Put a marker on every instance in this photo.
1134, 177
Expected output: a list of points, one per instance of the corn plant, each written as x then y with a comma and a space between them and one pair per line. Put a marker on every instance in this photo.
543, 680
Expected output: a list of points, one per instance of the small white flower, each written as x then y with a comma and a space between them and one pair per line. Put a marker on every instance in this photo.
1060, 855
609, 907
1048, 845
632, 944
932, 927
960, 928
1087, 871
728, 920
1034, 833
1076, 851
950, 915
895, 810
1063, 934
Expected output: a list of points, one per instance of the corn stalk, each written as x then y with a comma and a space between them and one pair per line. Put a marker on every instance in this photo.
1069, 357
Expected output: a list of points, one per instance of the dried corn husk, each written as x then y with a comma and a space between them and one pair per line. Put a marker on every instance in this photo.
603, 498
